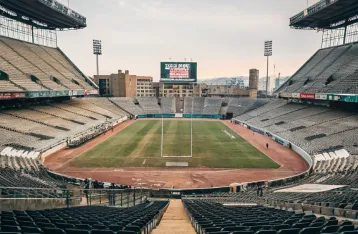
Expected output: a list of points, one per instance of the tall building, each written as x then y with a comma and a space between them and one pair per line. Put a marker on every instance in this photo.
180, 90
271, 83
223, 90
279, 81
124, 85
253, 82
144, 86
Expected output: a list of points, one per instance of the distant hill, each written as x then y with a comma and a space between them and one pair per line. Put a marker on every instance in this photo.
223, 80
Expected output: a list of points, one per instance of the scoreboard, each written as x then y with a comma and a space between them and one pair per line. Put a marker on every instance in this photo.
178, 72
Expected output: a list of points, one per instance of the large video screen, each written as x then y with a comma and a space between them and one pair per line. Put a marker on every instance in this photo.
178, 72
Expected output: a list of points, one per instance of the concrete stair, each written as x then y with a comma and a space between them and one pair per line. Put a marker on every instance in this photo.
175, 220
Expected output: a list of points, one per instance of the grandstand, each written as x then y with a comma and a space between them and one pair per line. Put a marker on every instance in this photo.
91, 219
25, 172
149, 105
315, 129
168, 105
212, 217
330, 70
212, 106
34, 67
128, 105
239, 106
41, 125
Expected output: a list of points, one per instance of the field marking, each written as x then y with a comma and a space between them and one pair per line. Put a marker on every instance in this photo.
199, 181
177, 156
229, 134
251, 143
177, 164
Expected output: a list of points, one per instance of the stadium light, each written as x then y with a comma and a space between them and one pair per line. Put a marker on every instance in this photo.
267, 53
97, 50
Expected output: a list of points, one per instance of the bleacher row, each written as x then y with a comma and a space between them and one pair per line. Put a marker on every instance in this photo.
24, 172
84, 220
208, 216
329, 70
315, 129
39, 126
31, 67
339, 201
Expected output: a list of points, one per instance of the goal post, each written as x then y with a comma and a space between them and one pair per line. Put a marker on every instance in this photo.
191, 137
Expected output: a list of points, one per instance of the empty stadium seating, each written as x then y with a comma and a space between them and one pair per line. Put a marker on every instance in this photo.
239, 106
194, 105
27, 172
127, 104
212, 217
34, 68
149, 105
329, 70
167, 105
105, 103
315, 129
42, 125
212, 106
85, 220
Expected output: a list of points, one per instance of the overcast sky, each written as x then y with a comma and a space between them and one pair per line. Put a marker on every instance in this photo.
225, 37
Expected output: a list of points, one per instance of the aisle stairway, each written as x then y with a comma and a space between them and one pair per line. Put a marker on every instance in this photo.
175, 220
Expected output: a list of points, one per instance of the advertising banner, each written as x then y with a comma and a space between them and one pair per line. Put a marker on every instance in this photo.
307, 95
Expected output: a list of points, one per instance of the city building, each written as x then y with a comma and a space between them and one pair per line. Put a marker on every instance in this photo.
223, 91
125, 85
279, 81
180, 90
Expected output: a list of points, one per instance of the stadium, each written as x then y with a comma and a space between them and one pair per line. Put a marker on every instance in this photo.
75, 159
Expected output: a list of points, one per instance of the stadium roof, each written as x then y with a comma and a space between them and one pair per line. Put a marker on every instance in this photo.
46, 14
327, 14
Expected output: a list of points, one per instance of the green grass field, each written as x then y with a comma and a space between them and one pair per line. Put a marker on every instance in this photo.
138, 145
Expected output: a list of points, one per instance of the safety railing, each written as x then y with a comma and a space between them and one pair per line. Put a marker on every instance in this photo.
112, 197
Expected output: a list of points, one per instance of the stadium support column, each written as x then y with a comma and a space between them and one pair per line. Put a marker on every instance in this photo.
345, 33
32, 34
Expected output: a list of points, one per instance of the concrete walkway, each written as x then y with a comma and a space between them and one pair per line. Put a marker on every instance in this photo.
175, 220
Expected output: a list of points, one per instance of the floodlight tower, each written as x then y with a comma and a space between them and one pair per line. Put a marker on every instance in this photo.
268, 53
97, 50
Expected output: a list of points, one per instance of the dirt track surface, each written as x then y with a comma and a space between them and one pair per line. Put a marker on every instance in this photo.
291, 164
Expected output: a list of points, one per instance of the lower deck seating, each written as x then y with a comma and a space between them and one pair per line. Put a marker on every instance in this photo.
213, 217
24, 172
212, 106
168, 105
127, 104
83, 220
41, 125
149, 105
316, 129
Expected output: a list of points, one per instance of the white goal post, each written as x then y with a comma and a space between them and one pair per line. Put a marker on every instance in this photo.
191, 136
